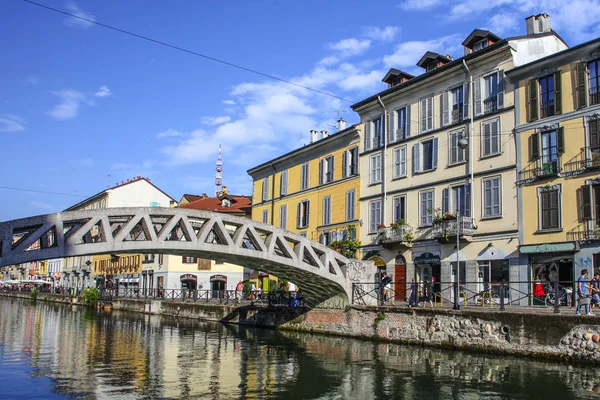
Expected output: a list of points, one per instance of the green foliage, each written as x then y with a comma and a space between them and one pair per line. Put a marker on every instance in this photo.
34, 293
346, 247
91, 296
380, 317
283, 284
247, 288
409, 237
272, 285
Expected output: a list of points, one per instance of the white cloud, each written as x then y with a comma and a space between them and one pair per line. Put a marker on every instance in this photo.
11, 123
169, 133
215, 120
77, 22
42, 205
351, 47
229, 102
103, 91
367, 81
503, 23
420, 5
68, 108
329, 60
382, 34
407, 54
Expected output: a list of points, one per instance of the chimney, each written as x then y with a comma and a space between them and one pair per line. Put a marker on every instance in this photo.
341, 124
314, 135
538, 24
324, 134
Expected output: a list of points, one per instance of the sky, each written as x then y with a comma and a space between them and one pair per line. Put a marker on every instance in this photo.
83, 107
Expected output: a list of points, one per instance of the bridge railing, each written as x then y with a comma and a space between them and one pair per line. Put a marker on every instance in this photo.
489, 295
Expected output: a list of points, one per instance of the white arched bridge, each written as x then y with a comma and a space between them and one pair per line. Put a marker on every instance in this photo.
321, 272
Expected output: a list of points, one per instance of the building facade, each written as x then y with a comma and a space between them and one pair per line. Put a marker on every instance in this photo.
313, 190
558, 135
438, 164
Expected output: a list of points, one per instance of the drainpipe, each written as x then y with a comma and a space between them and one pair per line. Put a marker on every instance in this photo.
272, 192
471, 144
383, 177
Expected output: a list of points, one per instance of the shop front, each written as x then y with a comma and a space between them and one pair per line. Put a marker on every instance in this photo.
218, 284
551, 262
189, 283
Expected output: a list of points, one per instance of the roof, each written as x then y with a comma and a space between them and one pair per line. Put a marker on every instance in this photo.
105, 191
239, 204
430, 55
478, 34
393, 73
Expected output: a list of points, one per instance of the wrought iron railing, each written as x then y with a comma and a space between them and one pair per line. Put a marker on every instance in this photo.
490, 105
544, 170
463, 226
588, 157
584, 234
403, 233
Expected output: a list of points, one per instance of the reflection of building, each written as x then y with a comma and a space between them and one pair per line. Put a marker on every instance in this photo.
79, 272
438, 162
558, 134
313, 190
187, 272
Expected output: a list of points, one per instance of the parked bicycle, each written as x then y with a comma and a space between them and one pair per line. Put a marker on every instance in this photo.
565, 296
486, 298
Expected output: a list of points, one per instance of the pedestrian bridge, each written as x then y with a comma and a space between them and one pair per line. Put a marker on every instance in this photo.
322, 273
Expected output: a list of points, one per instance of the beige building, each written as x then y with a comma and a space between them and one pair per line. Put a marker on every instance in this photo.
438, 162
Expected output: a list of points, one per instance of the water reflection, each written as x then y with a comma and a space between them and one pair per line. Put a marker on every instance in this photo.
60, 351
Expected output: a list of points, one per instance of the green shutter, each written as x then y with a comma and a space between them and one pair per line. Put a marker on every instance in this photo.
557, 93
580, 84
533, 100
594, 133
560, 140
534, 152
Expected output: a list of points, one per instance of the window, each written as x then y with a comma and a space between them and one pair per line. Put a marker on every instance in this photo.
488, 93
482, 44
189, 260
303, 214
400, 122
265, 216
492, 197
325, 238
549, 198
374, 133
426, 207
326, 170
400, 162
547, 96
399, 208
265, 189
455, 105
375, 176
424, 155
457, 155
283, 217
148, 258
374, 215
594, 138
283, 183
552, 145
304, 177
350, 205
490, 139
594, 80
350, 162
303, 234
326, 210
457, 200
426, 110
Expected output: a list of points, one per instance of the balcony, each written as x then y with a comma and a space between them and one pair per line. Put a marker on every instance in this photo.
588, 158
399, 236
584, 234
544, 170
490, 105
445, 231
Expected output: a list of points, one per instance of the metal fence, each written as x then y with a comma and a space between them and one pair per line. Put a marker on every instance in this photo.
498, 296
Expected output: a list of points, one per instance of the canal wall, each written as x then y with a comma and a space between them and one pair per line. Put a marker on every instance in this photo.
522, 332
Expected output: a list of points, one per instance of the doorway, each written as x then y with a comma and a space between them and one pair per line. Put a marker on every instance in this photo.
400, 279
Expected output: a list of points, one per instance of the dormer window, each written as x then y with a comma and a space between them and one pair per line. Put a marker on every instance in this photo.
479, 40
481, 44
395, 77
431, 61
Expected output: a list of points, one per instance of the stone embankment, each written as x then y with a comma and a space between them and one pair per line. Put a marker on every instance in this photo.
562, 337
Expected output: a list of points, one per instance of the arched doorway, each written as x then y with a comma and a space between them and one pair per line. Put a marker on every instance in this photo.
189, 283
399, 278
218, 283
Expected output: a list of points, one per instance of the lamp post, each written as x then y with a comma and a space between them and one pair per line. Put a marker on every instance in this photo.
463, 143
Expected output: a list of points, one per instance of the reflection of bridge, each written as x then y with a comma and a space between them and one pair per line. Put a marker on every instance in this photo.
321, 272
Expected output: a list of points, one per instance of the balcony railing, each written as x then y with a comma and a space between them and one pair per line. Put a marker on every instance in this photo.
584, 234
390, 235
588, 158
544, 170
445, 230
547, 108
490, 105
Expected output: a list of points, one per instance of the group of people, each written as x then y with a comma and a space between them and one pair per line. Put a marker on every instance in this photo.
588, 293
414, 300
296, 297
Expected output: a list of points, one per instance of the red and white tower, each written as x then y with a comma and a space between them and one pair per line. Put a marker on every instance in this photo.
218, 174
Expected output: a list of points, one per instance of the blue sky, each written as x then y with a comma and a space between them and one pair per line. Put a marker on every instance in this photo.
83, 107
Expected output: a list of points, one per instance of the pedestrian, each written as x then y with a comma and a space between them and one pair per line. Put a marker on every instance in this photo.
238, 291
414, 294
583, 293
386, 284
252, 291
595, 290
427, 294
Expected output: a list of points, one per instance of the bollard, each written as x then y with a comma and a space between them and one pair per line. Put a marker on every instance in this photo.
556, 298
456, 303
502, 296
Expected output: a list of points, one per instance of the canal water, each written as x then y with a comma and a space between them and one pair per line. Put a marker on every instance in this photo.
52, 351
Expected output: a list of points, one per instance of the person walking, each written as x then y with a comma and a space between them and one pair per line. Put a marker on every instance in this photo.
595, 291
386, 284
583, 293
414, 294
427, 294
238, 291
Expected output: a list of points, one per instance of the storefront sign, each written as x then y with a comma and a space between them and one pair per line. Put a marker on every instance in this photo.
188, 277
548, 248
427, 258
218, 278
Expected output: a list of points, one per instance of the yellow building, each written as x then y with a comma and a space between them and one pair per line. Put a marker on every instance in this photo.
313, 190
558, 136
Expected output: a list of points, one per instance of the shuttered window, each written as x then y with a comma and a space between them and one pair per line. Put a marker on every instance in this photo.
457, 155
400, 124
265, 189
532, 100
326, 210
265, 216
549, 204
374, 215
283, 183
580, 85
490, 140
303, 216
304, 177
350, 162
426, 207
399, 162
399, 208
350, 205
492, 197
594, 133
375, 175
594, 81
426, 114
283, 217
